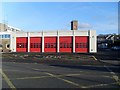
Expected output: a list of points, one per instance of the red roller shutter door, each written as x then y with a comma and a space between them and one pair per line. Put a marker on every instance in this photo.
21, 44
65, 43
50, 44
35, 44
81, 44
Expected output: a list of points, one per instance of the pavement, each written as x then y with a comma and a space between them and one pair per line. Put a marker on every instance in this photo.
58, 71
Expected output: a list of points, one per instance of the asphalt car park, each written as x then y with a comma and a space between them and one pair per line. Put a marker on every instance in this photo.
34, 70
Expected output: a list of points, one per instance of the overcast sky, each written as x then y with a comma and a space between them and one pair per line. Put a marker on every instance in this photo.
38, 16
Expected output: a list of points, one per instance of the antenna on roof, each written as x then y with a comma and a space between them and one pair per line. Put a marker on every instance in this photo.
4, 16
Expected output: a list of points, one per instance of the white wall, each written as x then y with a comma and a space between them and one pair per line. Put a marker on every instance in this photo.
35, 34
90, 33
50, 33
81, 33
65, 33
92, 41
53, 33
21, 34
13, 42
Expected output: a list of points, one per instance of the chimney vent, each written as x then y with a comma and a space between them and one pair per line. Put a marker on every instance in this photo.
74, 25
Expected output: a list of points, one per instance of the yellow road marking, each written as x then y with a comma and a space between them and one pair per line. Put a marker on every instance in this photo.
34, 77
40, 77
94, 58
92, 86
7, 80
70, 82
65, 80
35, 69
115, 77
63, 75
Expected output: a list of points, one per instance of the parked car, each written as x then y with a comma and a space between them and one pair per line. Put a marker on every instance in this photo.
116, 48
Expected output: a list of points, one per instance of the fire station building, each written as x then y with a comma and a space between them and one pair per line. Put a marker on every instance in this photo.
71, 41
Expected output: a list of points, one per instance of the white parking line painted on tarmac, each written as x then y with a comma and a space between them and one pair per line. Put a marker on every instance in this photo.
115, 77
65, 80
35, 77
35, 69
63, 75
100, 85
7, 80
94, 58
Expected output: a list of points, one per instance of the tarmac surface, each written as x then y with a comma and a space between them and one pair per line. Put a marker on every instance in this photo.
65, 71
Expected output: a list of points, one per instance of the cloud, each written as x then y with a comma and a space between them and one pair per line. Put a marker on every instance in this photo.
106, 28
85, 25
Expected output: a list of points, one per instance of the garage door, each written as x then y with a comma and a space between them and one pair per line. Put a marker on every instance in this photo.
21, 44
81, 44
35, 44
50, 44
65, 44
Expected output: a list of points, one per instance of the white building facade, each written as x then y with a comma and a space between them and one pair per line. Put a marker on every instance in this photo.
73, 41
